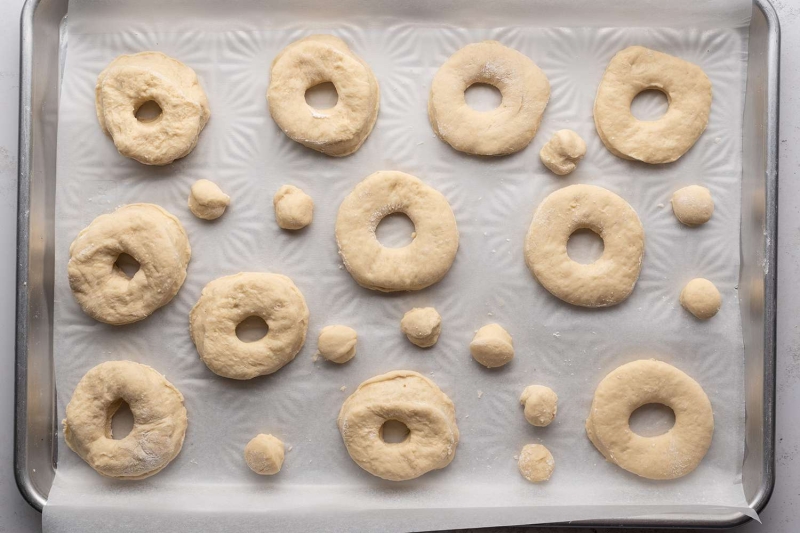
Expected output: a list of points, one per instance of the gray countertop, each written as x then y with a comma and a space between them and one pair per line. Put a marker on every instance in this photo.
782, 514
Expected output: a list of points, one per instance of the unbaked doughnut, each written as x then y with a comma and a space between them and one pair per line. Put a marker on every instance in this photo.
294, 209
264, 454
337, 343
313, 60
492, 346
130, 81
693, 205
504, 130
226, 302
608, 280
562, 152
636, 69
207, 201
541, 405
671, 455
149, 234
416, 266
701, 298
536, 463
159, 420
409, 398
422, 326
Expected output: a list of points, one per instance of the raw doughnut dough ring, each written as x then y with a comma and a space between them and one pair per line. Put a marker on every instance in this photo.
416, 266
159, 420
313, 60
504, 130
671, 455
609, 280
149, 234
636, 69
226, 302
412, 399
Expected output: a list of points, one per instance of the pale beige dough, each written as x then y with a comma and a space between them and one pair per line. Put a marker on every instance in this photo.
149, 234
693, 205
207, 201
409, 398
492, 346
337, 343
415, 266
636, 69
611, 278
159, 420
701, 298
504, 130
668, 456
422, 326
541, 405
294, 209
264, 454
313, 60
132, 80
536, 463
228, 301
563, 151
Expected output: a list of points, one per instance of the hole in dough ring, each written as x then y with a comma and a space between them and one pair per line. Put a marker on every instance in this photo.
636, 69
149, 234
313, 60
415, 266
671, 455
504, 130
412, 399
611, 278
159, 420
225, 302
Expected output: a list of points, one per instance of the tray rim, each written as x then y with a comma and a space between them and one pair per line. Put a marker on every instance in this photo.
37, 499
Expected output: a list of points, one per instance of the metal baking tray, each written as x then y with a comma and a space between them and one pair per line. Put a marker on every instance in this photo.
43, 42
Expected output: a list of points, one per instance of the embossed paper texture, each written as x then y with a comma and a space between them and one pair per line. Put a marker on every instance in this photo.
567, 348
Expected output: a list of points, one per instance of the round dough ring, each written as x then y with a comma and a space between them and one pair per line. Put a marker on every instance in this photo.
313, 60
415, 266
636, 69
504, 130
226, 302
611, 278
149, 234
159, 420
412, 399
668, 456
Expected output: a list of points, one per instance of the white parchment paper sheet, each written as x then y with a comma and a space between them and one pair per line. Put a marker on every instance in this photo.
568, 348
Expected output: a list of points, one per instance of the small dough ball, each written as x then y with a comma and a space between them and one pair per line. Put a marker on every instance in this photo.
536, 463
693, 205
207, 201
337, 343
294, 209
563, 151
264, 454
492, 346
541, 404
701, 298
422, 326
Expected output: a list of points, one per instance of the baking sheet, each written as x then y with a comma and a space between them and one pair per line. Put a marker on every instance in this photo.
565, 347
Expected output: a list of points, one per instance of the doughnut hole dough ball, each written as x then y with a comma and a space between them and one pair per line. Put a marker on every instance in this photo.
159, 420
693, 205
132, 80
611, 278
415, 266
701, 298
536, 463
504, 130
226, 302
562, 152
409, 398
541, 405
492, 346
294, 209
149, 234
636, 69
313, 60
337, 343
207, 201
264, 454
668, 456
422, 326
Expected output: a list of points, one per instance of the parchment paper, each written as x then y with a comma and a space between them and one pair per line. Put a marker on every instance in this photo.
231, 46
